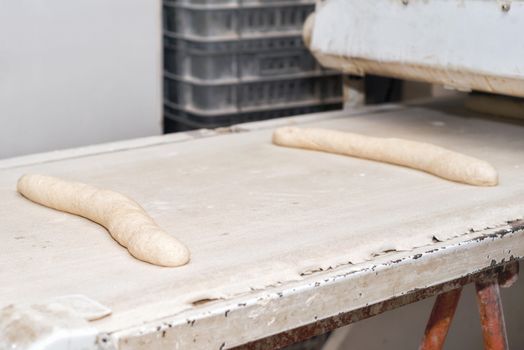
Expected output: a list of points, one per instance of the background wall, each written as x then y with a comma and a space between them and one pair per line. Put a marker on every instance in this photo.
78, 72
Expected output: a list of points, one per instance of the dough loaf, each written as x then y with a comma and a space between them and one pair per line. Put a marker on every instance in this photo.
125, 220
417, 155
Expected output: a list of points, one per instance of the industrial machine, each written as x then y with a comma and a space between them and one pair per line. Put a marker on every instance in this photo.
467, 45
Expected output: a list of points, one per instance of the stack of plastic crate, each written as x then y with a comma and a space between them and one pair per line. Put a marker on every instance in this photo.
233, 61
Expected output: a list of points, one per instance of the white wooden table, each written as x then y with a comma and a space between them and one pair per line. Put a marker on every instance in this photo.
283, 241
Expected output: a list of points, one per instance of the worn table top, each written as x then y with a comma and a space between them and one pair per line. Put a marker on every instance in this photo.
279, 237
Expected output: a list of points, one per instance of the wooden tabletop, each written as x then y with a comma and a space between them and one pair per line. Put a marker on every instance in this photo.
279, 237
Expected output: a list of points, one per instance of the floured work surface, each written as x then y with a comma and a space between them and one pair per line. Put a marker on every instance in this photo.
266, 225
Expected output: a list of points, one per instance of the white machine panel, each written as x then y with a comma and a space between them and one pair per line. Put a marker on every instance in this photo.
467, 44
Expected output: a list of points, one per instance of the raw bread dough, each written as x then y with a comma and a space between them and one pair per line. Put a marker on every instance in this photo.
125, 219
418, 155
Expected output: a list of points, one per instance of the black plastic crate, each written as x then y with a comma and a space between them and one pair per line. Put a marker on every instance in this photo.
235, 20
179, 120
233, 61
246, 59
238, 97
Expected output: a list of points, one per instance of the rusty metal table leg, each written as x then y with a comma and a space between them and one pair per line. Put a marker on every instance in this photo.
491, 316
440, 320
490, 307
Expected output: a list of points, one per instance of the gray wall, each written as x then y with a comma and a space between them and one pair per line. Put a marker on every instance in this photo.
78, 72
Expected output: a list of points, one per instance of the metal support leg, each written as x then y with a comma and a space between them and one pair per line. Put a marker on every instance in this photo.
491, 316
490, 307
440, 320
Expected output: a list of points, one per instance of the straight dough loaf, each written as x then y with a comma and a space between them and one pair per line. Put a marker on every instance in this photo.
125, 219
417, 155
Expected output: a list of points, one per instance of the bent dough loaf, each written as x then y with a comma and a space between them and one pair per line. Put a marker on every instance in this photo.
417, 155
125, 219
